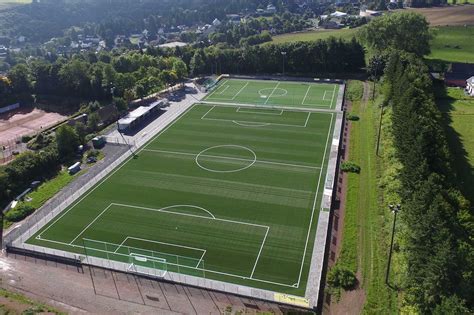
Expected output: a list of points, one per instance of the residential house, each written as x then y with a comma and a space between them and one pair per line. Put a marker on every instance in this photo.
458, 74
470, 86
364, 12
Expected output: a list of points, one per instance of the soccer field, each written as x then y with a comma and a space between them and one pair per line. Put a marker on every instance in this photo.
225, 192
275, 93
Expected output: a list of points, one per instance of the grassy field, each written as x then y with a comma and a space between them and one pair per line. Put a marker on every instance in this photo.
275, 93
5, 4
225, 192
453, 44
313, 35
367, 220
461, 1
459, 113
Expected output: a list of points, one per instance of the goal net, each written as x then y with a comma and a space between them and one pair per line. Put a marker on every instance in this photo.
142, 264
140, 260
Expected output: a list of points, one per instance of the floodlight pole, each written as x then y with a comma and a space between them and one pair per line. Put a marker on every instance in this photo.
1, 229
283, 53
394, 209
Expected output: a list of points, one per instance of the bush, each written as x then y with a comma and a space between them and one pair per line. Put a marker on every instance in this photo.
350, 167
341, 277
25, 139
352, 117
19, 213
92, 153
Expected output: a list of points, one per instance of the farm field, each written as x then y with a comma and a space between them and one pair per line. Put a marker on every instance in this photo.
275, 93
459, 15
5, 4
453, 44
346, 34
225, 192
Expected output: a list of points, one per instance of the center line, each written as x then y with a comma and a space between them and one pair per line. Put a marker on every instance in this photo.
272, 93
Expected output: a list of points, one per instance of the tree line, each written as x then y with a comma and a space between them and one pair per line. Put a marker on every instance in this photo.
437, 225
320, 57
93, 77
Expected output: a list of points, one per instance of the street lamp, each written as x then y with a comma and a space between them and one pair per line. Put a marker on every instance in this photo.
395, 209
283, 53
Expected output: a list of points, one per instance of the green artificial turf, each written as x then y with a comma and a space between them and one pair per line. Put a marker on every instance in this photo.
225, 192
275, 93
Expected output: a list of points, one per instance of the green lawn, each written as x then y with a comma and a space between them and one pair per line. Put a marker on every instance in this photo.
366, 219
313, 35
459, 113
227, 193
453, 44
275, 93
460, 1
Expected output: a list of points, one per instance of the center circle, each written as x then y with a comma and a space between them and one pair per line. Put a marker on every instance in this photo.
278, 92
227, 158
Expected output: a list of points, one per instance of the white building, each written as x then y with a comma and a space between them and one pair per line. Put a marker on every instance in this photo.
470, 86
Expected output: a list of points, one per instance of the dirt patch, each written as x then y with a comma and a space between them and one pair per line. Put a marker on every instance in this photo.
80, 290
451, 15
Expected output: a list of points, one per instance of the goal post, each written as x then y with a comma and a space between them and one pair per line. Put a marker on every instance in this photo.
140, 260
145, 264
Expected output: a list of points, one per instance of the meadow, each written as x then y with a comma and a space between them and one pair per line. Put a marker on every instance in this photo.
453, 44
345, 34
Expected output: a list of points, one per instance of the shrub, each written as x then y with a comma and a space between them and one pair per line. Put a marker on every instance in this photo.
350, 167
92, 153
19, 213
352, 117
341, 277
25, 139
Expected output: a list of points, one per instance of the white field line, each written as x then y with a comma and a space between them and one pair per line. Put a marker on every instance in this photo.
259, 252
165, 243
114, 171
273, 91
222, 92
314, 202
254, 122
243, 110
202, 117
236, 159
307, 119
199, 262
183, 214
218, 88
333, 94
91, 223
324, 95
121, 244
248, 122
189, 215
240, 90
173, 264
306, 95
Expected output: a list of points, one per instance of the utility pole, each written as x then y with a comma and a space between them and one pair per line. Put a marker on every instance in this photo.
394, 209
283, 53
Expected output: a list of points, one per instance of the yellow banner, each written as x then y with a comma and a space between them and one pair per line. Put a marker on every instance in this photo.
291, 299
